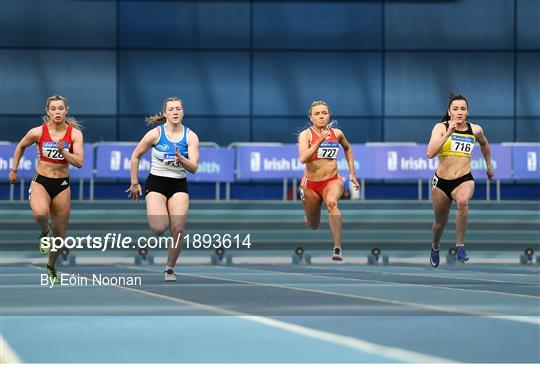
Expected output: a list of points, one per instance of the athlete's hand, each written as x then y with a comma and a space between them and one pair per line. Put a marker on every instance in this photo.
177, 155
12, 176
325, 134
452, 125
355, 182
489, 172
134, 192
60, 145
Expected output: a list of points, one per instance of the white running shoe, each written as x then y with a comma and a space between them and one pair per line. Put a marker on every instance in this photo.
169, 275
337, 255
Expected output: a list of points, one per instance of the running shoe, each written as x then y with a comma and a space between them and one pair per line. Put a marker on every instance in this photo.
434, 258
337, 254
44, 249
53, 276
462, 254
169, 275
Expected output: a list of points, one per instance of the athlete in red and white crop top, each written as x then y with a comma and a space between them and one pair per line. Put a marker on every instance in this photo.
47, 150
318, 148
59, 144
328, 149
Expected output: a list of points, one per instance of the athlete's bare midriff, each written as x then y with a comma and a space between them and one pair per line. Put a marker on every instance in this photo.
321, 170
453, 167
52, 170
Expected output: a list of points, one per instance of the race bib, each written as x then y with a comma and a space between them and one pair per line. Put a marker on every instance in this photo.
328, 150
462, 144
168, 157
49, 150
434, 181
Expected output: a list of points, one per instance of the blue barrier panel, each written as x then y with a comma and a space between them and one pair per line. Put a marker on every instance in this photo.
525, 161
27, 163
282, 162
411, 162
113, 161
215, 165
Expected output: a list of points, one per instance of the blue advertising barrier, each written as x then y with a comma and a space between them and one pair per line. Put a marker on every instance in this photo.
113, 161
27, 163
411, 162
371, 162
525, 161
282, 162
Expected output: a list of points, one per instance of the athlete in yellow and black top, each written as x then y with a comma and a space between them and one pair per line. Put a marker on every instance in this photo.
453, 141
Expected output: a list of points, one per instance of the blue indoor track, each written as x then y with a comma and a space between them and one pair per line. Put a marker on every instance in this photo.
486, 310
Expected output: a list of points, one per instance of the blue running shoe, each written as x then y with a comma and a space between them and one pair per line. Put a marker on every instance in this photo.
434, 258
462, 254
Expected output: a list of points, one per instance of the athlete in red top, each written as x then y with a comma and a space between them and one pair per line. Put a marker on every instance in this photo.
60, 143
318, 148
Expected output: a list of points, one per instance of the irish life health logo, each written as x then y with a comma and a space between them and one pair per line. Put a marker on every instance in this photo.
532, 161
392, 161
255, 162
116, 160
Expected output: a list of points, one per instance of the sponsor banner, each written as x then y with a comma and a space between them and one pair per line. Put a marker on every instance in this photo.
282, 162
526, 162
114, 159
27, 163
411, 162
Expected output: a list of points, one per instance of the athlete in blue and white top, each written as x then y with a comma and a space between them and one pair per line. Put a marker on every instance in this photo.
164, 161
175, 150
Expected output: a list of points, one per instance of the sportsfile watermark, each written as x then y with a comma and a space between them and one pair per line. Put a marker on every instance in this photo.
113, 241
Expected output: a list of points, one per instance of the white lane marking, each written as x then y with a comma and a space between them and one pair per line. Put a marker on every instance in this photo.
431, 307
7, 354
347, 341
393, 282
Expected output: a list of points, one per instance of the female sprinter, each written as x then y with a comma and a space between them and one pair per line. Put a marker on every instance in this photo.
175, 150
318, 147
59, 143
453, 140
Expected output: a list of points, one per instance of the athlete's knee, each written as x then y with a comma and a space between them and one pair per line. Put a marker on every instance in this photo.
177, 229
332, 205
314, 225
440, 220
438, 224
40, 216
313, 222
462, 204
158, 227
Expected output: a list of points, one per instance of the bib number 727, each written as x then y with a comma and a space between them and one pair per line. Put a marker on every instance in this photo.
328, 150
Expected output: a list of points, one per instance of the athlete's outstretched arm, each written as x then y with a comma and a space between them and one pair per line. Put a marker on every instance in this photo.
191, 163
438, 137
305, 152
486, 151
349, 156
144, 145
76, 157
30, 138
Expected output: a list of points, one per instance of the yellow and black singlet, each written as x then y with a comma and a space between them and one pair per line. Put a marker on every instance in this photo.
460, 143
